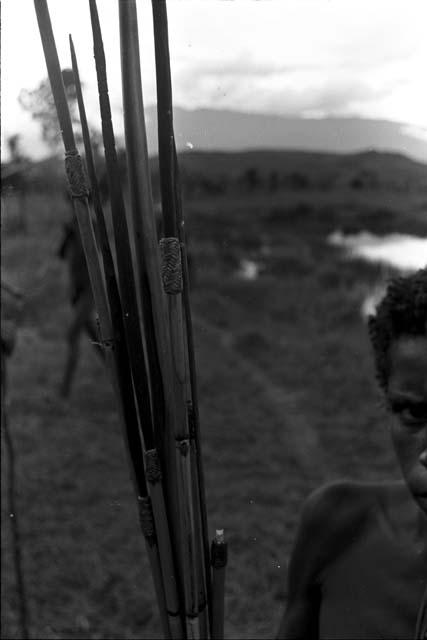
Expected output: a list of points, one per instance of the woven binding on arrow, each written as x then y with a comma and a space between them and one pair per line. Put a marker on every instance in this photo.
146, 519
153, 471
170, 252
75, 175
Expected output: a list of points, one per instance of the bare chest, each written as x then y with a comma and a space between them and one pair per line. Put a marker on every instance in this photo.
373, 589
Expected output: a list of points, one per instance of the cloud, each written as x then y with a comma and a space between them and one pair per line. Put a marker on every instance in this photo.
279, 56
297, 90
344, 57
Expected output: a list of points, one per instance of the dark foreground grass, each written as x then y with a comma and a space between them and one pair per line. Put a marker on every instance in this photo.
287, 402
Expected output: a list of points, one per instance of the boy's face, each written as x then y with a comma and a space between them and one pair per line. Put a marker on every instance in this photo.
407, 399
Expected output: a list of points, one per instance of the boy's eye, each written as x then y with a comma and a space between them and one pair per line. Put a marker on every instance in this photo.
414, 413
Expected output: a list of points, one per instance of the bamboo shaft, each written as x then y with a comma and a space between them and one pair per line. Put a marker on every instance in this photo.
192, 560
194, 418
121, 235
164, 115
188, 552
129, 412
54, 72
154, 559
174, 224
121, 332
88, 240
148, 528
125, 267
154, 478
110, 276
89, 246
155, 548
149, 266
201, 569
167, 172
75, 174
142, 207
176, 332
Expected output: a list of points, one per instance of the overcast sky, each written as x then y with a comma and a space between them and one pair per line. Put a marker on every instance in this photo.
306, 57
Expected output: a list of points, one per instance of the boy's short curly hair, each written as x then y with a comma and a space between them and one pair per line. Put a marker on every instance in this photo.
402, 312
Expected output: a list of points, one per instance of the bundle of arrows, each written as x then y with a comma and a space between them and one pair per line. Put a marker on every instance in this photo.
145, 326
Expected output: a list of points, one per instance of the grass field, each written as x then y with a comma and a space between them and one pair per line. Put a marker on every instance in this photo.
288, 401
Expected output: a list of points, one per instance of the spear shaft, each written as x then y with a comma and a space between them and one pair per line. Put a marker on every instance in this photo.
147, 507
145, 234
194, 418
124, 259
79, 191
133, 334
120, 352
148, 257
74, 170
174, 225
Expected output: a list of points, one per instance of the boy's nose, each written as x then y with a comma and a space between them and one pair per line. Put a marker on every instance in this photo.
423, 458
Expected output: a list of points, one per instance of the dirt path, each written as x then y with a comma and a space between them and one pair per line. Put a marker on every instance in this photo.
297, 433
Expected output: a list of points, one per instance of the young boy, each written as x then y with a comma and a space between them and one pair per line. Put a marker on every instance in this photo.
359, 564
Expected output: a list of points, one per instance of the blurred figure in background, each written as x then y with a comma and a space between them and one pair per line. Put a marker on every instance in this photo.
359, 564
11, 307
81, 299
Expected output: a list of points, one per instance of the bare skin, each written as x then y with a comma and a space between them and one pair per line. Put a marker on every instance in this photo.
359, 563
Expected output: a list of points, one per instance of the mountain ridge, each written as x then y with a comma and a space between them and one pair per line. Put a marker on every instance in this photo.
227, 130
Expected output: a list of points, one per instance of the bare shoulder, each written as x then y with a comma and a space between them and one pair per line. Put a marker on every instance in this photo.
336, 505
343, 503
332, 518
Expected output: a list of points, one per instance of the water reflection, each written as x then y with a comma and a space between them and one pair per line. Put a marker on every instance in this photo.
248, 270
403, 252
